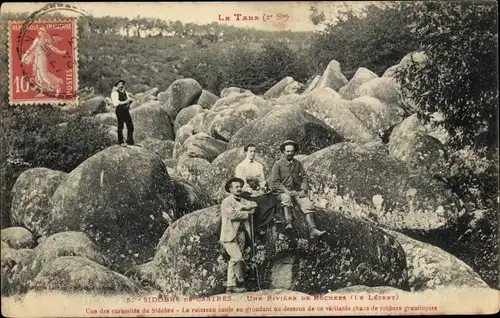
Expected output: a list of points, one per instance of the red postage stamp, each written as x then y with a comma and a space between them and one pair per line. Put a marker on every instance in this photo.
43, 66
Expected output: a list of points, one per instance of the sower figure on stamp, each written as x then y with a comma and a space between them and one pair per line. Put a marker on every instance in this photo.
290, 181
121, 100
235, 211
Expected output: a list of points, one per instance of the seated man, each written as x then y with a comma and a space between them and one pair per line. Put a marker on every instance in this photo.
235, 211
289, 180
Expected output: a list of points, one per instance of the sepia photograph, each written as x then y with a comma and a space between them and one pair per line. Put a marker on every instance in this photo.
288, 158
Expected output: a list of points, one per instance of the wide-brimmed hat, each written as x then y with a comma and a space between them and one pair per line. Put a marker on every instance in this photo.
230, 181
118, 82
289, 142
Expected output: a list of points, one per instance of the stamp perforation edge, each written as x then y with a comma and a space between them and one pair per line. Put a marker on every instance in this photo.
59, 102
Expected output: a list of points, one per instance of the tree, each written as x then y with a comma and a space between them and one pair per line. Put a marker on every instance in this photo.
376, 37
459, 77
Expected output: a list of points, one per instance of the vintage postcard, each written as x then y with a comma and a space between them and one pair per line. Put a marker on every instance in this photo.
285, 158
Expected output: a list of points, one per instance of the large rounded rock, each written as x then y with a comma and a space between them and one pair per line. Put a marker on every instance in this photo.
283, 123
54, 246
234, 99
95, 105
415, 58
326, 105
361, 76
181, 135
163, 148
189, 196
191, 169
202, 145
31, 198
401, 200
332, 77
373, 113
12, 264
383, 88
179, 95
185, 115
429, 267
122, 198
278, 88
207, 99
151, 121
222, 168
144, 275
107, 118
231, 90
356, 252
17, 237
75, 274
224, 126
314, 83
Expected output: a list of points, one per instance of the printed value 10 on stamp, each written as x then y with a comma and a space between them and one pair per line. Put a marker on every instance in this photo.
43, 66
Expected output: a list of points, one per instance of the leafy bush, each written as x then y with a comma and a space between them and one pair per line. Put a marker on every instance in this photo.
44, 136
459, 77
377, 38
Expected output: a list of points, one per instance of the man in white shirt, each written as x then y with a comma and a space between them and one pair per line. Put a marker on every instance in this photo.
121, 101
235, 211
252, 172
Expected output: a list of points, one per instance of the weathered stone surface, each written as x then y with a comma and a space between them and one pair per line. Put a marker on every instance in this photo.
207, 99
17, 237
108, 119
230, 90
361, 76
278, 89
373, 113
163, 148
355, 252
12, 263
401, 200
124, 215
181, 135
31, 198
95, 105
222, 168
332, 77
185, 115
202, 145
326, 105
283, 123
181, 94
430, 267
138, 88
418, 58
314, 83
189, 196
151, 121
78, 274
144, 275
384, 89
191, 169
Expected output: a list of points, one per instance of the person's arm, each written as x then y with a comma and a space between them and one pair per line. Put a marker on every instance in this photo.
233, 213
276, 184
262, 177
304, 186
56, 50
114, 98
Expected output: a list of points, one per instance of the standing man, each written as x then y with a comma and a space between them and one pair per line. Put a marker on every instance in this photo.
252, 172
235, 211
289, 179
122, 100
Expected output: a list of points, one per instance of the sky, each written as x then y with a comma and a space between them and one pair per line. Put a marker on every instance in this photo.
208, 12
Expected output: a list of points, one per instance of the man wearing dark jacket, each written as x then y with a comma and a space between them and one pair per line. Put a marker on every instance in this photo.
290, 181
122, 100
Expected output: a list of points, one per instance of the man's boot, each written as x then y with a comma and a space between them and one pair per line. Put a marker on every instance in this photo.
287, 212
313, 231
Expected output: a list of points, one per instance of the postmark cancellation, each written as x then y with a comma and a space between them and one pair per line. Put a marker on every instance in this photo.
43, 62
